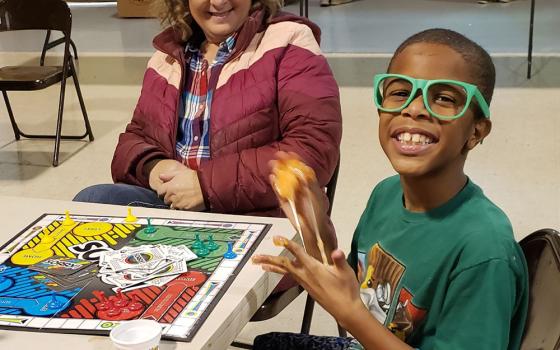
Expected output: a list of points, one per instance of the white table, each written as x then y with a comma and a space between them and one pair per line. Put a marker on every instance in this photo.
248, 291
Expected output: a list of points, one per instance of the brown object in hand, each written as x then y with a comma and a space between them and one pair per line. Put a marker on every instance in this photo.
287, 173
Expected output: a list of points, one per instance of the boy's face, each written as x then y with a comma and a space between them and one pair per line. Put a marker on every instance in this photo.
416, 143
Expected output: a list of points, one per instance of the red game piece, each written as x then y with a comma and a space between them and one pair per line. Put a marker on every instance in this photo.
120, 300
114, 312
135, 305
104, 303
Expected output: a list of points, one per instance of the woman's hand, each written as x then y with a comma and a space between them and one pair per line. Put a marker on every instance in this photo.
181, 190
159, 166
310, 203
334, 286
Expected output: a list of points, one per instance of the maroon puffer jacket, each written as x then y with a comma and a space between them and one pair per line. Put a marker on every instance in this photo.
276, 92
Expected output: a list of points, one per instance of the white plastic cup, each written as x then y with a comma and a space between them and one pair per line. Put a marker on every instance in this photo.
137, 335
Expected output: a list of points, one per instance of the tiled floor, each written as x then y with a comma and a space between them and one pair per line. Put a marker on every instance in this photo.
518, 165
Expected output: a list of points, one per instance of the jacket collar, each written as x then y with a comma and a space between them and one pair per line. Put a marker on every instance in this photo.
169, 41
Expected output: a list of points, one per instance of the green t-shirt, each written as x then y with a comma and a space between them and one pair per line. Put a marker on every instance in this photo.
451, 278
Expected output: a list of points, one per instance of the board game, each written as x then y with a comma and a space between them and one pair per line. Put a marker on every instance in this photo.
85, 274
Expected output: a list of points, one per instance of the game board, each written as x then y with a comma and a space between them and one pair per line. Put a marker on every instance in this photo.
50, 273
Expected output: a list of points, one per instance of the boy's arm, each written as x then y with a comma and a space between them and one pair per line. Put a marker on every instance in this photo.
371, 334
479, 307
336, 289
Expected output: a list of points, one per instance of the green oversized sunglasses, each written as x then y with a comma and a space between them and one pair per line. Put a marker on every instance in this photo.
443, 98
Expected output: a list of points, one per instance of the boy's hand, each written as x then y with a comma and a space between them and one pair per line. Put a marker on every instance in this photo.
335, 287
311, 204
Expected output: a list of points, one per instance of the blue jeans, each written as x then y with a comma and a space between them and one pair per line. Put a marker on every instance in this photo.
296, 341
121, 194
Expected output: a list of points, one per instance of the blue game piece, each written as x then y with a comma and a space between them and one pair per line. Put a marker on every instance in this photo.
230, 254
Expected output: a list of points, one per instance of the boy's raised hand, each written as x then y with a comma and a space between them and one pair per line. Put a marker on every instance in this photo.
310, 203
334, 286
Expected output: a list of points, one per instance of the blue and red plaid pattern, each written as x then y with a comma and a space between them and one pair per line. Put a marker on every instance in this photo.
193, 134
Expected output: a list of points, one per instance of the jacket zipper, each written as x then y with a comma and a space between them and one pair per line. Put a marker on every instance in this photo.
182, 59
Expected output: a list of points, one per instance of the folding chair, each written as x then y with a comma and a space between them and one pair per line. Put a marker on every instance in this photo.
542, 252
276, 302
50, 44
530, 48
40, 15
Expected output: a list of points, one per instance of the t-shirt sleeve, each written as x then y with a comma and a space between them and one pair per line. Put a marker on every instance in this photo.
478, 307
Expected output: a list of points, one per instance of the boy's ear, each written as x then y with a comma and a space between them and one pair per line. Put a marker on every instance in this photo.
481, 129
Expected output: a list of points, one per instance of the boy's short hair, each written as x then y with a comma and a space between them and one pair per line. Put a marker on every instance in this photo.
482, 67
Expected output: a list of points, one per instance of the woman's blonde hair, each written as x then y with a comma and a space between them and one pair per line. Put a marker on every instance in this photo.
176, 13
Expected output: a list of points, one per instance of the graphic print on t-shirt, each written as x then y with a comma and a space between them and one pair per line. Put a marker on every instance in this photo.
380, 274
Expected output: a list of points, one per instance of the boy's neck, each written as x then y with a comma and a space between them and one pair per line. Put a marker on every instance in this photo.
425, 193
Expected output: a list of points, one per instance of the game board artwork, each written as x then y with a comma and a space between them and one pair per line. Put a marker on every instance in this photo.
86, 274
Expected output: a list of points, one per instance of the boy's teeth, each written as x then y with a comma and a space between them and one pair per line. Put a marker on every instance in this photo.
420, 139
407, 137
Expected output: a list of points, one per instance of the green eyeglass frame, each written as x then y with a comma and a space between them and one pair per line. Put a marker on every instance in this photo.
424, 85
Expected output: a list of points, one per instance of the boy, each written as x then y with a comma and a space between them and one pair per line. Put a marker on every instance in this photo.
437, 263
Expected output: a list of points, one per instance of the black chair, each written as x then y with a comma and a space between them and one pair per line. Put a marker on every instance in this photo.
304, 8
530, 48
277, 302
50, 44
40, 15
542, 252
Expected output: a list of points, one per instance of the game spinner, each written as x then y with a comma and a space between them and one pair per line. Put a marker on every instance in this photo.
85, 274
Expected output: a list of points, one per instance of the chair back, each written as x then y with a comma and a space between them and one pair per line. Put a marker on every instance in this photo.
542, 252
35, 15
331, 187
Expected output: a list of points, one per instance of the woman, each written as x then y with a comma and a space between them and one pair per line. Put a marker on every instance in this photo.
231, 83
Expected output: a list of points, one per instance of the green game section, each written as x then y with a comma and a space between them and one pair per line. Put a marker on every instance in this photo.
206, 264
172, 235
188, 233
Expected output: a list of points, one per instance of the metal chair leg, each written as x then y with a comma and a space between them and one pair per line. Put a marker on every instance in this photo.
60, 111
81, 100
530, 49
342, 332
304, 8
241, 345
74, 49
15, 127
307, 315
45, 48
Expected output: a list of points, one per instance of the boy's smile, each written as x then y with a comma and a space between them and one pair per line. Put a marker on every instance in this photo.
416, 143
413, 141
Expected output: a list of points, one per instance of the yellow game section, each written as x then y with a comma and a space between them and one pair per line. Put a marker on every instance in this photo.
93, 229
56, 238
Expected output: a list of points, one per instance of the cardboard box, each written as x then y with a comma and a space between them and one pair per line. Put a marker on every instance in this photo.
137, 8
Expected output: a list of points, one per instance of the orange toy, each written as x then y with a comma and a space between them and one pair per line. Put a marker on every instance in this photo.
287, 174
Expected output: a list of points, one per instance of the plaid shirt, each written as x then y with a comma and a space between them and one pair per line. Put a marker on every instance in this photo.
193, 134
